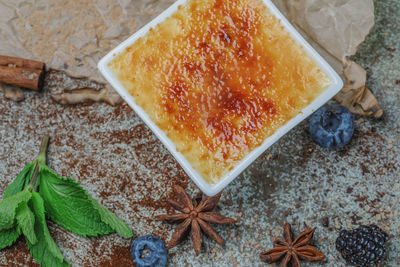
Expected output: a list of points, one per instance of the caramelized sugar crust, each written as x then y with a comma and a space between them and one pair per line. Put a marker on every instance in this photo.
219, 77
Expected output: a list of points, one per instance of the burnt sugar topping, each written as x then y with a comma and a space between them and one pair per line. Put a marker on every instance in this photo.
219, 77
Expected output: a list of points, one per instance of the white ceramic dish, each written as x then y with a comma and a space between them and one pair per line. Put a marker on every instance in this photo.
212, 189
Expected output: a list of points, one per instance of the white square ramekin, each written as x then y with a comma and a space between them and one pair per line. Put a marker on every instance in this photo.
212, 189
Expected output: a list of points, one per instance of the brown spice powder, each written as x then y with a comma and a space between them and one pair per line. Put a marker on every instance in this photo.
129, 172
120, 257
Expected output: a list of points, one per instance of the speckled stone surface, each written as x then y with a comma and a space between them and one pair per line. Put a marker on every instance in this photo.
121, 163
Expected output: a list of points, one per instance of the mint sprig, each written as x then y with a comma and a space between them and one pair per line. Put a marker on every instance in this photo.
44, 251
111, 220
70, 206
8, 237
10, 227
8, 208
38, 192
21, 181
26, 222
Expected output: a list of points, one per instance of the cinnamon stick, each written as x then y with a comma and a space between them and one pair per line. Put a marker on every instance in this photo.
22, 72
21, 63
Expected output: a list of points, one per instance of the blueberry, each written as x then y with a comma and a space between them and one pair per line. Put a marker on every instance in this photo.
149, 251
332, 126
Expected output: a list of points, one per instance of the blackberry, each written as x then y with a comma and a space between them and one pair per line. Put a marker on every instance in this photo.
364, 246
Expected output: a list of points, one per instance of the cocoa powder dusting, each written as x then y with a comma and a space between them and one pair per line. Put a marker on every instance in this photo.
120, 257
18, 255
125, 168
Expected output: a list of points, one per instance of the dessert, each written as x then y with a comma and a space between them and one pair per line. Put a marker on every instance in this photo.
219, 77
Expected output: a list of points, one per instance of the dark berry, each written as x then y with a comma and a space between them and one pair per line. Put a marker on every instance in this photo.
364, 246
370, 245
332, 126
365, 229
149, 251
351, 241
359, 248
340, 243
363, 260
353, 261
379, 240
344, 234
385, 236
375, 228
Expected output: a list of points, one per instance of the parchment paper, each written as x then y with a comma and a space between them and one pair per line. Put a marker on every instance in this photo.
336, 28
74, 35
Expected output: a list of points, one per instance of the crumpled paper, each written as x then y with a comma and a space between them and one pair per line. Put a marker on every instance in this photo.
74, 35
335, 29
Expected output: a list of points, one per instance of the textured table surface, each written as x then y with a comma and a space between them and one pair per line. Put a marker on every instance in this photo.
122, 164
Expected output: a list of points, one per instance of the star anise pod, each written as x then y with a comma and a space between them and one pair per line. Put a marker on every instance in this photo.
293, 251
195, 215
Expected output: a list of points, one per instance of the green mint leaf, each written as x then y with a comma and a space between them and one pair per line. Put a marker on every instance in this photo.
26, 222
109, 218
8, 208
69, 205
21, 181
45, 251
8, 237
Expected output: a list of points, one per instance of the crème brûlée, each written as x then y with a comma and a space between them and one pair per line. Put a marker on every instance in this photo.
219, 77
